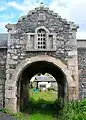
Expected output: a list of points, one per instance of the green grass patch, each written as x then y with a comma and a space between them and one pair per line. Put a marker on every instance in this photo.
45, 95
42, 106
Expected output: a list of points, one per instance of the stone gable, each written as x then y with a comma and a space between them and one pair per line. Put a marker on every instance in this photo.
62, 33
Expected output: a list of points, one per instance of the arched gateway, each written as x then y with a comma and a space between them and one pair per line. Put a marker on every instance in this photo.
29, 67
40, 42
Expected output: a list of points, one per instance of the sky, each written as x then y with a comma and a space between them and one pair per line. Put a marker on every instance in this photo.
72, 10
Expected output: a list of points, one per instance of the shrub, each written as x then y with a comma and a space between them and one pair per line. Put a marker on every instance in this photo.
74, 110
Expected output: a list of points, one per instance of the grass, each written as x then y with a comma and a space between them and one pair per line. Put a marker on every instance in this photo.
40, 105
72, 110
45, 95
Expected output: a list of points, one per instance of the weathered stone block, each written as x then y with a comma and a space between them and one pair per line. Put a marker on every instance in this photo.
15, 57
10, 61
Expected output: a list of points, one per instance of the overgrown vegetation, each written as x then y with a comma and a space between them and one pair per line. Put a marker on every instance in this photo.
45, 95
43, 109
74, 110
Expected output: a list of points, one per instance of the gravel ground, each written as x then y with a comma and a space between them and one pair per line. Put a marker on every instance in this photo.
4, 116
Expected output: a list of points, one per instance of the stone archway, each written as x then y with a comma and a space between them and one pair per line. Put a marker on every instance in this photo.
31, 70
11, 85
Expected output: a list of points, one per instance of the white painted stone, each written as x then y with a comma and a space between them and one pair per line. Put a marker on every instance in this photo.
10, 92
18, 46
12, 47
1, 86
10, 71
15, 57
7, 76
8, 55
72, 53
22, 54
21, 57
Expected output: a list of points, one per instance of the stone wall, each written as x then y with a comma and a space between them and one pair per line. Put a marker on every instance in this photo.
2, 74
65, 40
65, 33
82, 71
65, 45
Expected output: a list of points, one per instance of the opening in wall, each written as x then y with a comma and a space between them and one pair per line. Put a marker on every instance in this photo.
41, 39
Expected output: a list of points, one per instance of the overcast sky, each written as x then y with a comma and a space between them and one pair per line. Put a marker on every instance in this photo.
73, 10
